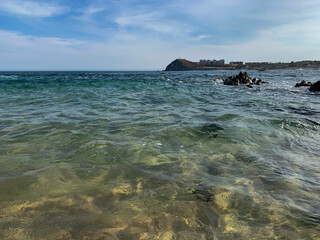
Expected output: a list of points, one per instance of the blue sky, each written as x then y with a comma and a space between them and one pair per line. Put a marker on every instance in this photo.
147, 35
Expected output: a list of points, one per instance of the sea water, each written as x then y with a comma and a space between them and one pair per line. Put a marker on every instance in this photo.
158, 155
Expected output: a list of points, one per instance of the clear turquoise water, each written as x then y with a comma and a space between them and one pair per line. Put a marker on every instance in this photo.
158, 155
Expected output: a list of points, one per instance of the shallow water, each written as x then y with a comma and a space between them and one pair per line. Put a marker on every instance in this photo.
158, 155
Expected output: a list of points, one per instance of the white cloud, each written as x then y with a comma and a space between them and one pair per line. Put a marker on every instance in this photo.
90, 11
199, 37
19, 41
87, 14
31, 8
93, 10
289, 42
153, 21
20, 52
300, 33
210, 11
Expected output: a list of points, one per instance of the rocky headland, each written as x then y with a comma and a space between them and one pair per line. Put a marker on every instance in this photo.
183, 65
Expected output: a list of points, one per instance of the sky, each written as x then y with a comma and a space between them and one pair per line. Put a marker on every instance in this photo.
149, 34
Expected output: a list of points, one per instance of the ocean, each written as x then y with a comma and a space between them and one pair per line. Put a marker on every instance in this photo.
158, 155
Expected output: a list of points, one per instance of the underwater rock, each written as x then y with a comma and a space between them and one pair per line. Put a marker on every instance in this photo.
214, 170
203, 194
303, 83
241, 79
245, 157
211, 130
315, 87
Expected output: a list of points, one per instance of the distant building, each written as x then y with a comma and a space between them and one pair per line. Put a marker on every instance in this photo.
205, 62
236, 63
256, 63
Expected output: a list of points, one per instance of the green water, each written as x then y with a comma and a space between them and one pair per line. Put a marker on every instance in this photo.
155, 155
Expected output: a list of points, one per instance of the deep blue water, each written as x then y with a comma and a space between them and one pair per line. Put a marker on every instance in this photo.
158, 155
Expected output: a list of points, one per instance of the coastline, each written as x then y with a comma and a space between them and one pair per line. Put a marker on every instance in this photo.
186, 65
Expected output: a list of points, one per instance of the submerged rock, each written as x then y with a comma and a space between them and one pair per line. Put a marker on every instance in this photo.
203, 194
245, 157
214, 170
315, 87
211, 130
243, 79
303, 83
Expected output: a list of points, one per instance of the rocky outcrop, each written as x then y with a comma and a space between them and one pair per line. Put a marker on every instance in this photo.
242, 79
182, 65
315, 87
303, 83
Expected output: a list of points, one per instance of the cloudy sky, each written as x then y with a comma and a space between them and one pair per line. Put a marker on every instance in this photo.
149, 34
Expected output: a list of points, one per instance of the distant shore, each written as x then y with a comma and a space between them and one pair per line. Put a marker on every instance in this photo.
186, 65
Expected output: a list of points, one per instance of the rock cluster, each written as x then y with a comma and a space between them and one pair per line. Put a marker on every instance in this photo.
303, 83
242, 79
315, 87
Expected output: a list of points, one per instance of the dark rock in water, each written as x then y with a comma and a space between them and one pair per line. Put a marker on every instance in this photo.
215, 170
303, 83
257, 81
315, 87
203, 194
249, 86
231, 81
211, 130
245, 157
242, 78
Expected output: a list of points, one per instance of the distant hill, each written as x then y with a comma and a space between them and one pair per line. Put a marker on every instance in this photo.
182, 65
